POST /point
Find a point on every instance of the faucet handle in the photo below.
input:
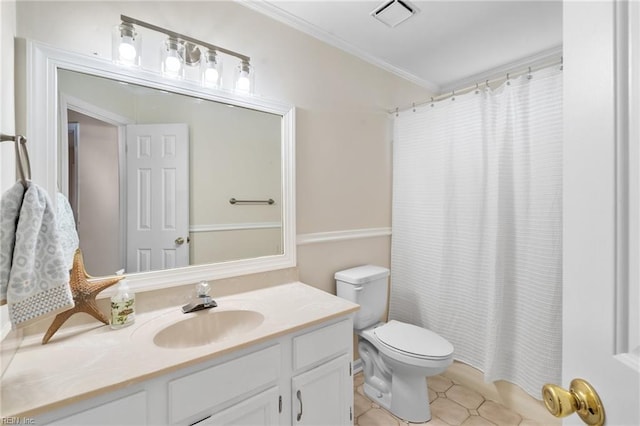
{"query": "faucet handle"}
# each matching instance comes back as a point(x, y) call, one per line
point(203, 288)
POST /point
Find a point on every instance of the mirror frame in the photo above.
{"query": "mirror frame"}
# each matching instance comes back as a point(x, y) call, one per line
point(42, 63)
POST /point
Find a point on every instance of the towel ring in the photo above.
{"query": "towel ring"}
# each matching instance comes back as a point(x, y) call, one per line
point(22, 157)
point(22, 160)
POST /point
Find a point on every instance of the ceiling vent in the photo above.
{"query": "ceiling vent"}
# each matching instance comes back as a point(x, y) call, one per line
point(393, 12)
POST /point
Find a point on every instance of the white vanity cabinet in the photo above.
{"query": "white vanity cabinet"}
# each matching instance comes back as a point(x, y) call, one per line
point(302, 378)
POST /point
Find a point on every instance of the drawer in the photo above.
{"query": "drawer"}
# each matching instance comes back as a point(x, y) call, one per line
point(322, 344)
point(191, 394)
point(128, 410)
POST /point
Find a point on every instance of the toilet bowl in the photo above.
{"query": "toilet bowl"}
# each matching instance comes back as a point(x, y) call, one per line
point(397, 357)
point(411, 354)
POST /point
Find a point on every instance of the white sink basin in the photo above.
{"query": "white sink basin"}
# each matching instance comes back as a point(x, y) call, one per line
point(207, 327)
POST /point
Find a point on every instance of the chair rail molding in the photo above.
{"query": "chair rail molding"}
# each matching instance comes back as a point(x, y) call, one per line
point(349, 234)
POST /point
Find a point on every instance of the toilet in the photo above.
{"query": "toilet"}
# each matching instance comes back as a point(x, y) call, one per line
point(397, 357)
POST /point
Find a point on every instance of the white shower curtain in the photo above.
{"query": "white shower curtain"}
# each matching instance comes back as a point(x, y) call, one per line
point(477, 227)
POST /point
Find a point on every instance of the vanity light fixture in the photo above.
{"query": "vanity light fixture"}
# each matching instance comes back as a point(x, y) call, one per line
point(244, 77)
point(172, 58)
point(126, 45)
point(211, 69)
point(180, 51)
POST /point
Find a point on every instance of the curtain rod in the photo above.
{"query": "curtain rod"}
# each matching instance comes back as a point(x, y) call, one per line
point(484, 84)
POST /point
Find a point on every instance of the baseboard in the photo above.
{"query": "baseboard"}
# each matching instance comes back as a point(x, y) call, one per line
point(503, 392)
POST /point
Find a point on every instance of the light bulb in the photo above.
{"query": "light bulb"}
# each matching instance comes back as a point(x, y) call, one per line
point(243, 84)
point(127, 50)
point(211, 76)
point(172, 65)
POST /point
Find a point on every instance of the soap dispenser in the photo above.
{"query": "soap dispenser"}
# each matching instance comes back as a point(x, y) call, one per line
point(122, 305)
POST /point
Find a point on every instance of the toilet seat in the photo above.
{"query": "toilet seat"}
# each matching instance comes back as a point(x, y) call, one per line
point(413, 341)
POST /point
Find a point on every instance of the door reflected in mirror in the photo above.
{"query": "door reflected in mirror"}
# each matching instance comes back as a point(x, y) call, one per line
point(149, 175)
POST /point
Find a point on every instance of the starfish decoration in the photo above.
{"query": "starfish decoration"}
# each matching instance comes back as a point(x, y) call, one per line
point(84, 295)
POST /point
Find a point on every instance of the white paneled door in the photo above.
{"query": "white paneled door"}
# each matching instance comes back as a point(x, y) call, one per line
point(157, 196)
point(601, 298)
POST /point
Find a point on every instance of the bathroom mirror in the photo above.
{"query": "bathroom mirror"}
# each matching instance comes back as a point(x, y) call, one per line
point(171, 209)
point(227, 147)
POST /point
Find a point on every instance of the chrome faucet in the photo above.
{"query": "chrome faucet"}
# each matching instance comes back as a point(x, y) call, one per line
point(203, 301)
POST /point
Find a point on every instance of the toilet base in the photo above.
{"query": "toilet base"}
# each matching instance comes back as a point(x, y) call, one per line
point(394, 386)
point(410, 397)
point(382, 399)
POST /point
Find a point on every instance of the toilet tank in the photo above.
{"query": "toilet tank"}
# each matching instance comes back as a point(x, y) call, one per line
point(367, 286)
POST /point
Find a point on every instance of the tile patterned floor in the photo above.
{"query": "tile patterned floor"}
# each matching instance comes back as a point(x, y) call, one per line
point(451, 405)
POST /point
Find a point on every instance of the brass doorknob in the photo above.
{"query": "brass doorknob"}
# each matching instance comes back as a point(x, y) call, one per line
point(581, 398)
point(179, 241)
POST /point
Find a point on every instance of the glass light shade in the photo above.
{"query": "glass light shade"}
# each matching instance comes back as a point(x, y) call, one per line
point(211, 69)
point(172, 62)
point(244, 78)
point(126, 45)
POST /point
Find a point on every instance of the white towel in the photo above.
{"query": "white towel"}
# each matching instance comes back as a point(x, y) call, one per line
point(9, 211)
point(39, 277)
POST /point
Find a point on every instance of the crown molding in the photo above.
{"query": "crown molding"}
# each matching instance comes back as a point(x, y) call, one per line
point(287, 18)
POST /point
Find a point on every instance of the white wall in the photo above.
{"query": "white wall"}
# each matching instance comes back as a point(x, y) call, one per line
point(7, 107)
point(343, 153)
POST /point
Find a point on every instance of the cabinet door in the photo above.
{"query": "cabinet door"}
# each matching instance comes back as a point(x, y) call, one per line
point(324, 395)
point(262, 409)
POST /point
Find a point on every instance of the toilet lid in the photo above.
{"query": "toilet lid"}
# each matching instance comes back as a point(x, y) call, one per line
point(414, 340)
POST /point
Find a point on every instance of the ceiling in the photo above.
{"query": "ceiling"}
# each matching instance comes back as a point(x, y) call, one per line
point(444, 46)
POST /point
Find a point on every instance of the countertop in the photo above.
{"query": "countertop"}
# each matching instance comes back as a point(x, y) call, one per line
point(87, 361)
